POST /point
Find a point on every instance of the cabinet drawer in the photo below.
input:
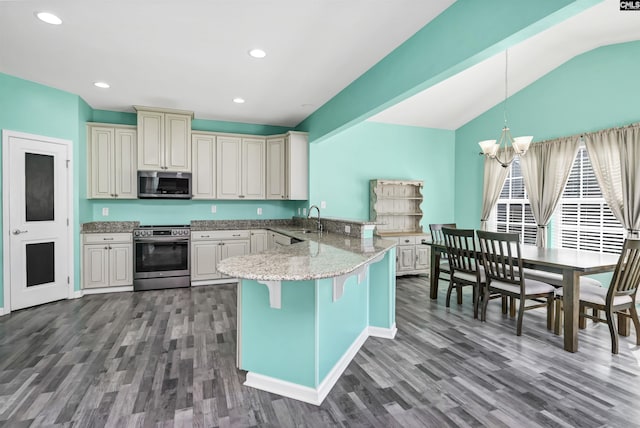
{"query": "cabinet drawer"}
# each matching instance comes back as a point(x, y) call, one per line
point(219, 235)
point(99, 238)
point(407, 240)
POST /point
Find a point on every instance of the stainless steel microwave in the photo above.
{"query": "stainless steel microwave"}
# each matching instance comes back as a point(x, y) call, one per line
point(164, 185)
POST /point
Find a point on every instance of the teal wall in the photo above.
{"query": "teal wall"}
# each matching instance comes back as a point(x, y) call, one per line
point(341, 167)
point(466, 33)
point(595, 90)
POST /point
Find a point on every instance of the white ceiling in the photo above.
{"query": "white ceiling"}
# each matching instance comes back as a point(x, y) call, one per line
point(192, 54)
point(459, 99)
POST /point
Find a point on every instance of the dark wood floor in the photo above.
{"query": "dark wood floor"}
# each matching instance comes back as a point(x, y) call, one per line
point(167, 358)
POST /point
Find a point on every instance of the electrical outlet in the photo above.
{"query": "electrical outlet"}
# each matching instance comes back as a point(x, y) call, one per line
point(213, 209)
point(304, 211)
point(323, 204)
point(347, 229)
point(259, 211)
point(299, 210)
point(105, 212)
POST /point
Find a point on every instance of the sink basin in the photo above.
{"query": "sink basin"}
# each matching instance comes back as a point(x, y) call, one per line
point(304, 231)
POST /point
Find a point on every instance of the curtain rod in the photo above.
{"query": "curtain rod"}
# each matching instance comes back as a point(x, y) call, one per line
point(583, 134)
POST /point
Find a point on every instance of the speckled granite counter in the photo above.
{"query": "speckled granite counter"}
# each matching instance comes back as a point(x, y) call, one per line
point(323, 255)
point(109, 226)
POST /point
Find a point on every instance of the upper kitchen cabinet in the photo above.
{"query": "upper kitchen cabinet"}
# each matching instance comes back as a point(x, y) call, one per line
point(203, 151)
point(112, 161)
point(288, 166)
point(240, 167)
point(164, 139)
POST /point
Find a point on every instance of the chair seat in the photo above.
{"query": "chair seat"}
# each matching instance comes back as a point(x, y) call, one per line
point(531, 286)
point(555, 279)
point(596, 295)
point(471, 277)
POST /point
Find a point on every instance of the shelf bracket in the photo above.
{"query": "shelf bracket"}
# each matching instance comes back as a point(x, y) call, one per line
point(339, 281)
point(275, 293)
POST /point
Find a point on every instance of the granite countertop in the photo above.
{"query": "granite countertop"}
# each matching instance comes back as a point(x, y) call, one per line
point(109, 226)
point(318, 256)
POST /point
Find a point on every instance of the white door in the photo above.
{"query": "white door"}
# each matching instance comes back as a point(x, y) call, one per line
point(36, 204)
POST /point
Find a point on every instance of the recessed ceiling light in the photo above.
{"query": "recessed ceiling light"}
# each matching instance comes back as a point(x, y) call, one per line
point(257, 53)
point(238, 100)
point(49, 18)
point(103, 85)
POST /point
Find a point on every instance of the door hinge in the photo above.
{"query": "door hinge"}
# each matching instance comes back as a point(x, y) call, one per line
point(68, 160)
point(68, 280)
point(67, 222)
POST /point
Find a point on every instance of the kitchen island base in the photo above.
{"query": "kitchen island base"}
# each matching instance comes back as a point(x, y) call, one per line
point(296, 338)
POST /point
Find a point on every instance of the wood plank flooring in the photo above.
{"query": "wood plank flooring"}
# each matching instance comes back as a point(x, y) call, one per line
point(167, 358)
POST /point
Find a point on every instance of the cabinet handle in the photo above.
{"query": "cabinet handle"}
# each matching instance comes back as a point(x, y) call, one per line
point(106, 248)
point(110, 247)
point(116, 195)
point(406, 240)
point(241, 196)
point(236, 234)
point(107, 239)
point(204, 236)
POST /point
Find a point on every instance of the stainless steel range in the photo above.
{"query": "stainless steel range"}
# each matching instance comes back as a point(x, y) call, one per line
point(161, 257)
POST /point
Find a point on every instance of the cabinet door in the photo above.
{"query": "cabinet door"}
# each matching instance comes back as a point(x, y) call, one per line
point(150, 141)
point(204, 260)
point(276, 168)
point(95, 261)
point(253, 168)
point(233, 249)
point(271, 240)
point(297, 173)
point(120, 264)
point(406, 258)
point(228, 167)
point(258, 241)
point(125, 164)
point(101, 163)
point(423, 257)
point(177, 142)
point(203, 151)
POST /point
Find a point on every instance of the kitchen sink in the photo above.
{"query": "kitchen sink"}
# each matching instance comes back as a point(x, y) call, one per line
point(304, 231)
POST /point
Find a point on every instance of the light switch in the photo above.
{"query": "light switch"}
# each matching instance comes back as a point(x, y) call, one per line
point(105, 212)
point(213, 209)
point(259, 211)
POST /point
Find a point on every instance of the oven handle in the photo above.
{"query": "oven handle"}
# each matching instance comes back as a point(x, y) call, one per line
point(161, 239)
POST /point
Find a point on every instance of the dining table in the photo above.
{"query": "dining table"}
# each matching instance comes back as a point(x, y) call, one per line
point(570, 263)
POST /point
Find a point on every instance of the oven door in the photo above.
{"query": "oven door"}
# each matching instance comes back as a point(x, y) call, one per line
point(161, 257)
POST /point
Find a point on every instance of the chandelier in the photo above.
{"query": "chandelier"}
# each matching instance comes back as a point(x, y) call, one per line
point(493, 149)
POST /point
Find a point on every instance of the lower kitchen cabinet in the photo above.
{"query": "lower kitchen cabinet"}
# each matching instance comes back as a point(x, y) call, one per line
point(107, 260)
point(209, 247)
point(412, 257)
point(259, 241)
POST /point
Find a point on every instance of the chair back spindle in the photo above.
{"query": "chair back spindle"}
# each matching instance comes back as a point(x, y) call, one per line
point(501, 256)
point(461, 248)
point(436, 230)
point(626, 277)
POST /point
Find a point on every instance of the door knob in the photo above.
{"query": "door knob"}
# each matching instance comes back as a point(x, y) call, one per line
point(18, 231)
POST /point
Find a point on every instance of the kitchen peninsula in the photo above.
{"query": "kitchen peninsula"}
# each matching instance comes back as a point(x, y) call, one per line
point(304, 310)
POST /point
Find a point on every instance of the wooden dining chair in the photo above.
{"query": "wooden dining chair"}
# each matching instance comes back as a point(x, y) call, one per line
point(618, 299)
point(443, 266)
point(502, 263)
point(465, 267)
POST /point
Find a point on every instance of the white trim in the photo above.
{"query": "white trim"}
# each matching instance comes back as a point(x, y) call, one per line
point(307, 394)
point(2, 312)
point(385, 333)
point(103, 290)
point(6, 187)
point(76, 294)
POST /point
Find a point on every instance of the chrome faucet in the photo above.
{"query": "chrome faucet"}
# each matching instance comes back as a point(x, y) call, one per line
point(319, 227)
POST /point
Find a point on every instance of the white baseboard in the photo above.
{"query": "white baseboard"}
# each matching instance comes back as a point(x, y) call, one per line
point(385, 333)
point(76, 294)
point(2, 312)
point(317, 395)
point(106, 290)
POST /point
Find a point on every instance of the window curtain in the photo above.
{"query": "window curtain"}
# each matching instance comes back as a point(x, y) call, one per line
point(494, 177)
point(615, 156)
point(545, 169)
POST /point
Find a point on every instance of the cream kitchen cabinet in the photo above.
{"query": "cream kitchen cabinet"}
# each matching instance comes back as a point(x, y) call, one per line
point(112, 162)
point(203, 151)
point(240, 167)
point(164, 139)
point(288, 166)
point(107, 260)
point(208, 248)
point(411, 256)
point(259, 241)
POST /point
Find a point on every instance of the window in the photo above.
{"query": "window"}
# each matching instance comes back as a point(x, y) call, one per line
point(583, 219)
point(512, 212)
